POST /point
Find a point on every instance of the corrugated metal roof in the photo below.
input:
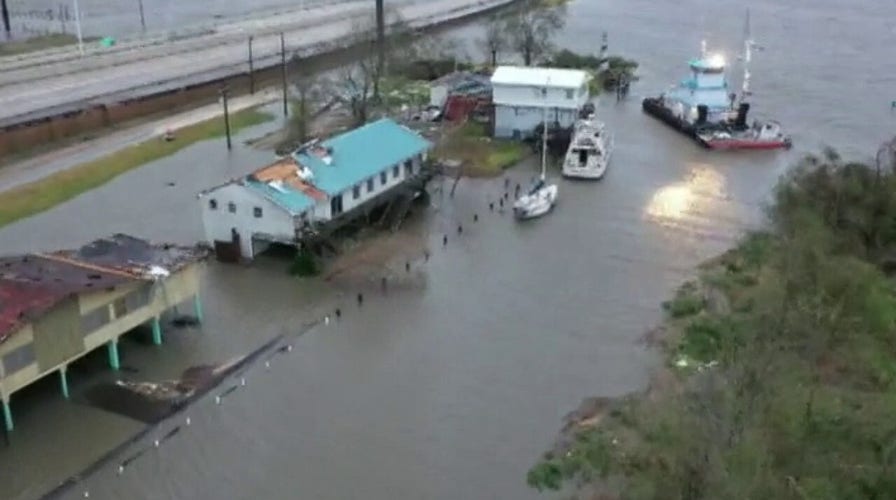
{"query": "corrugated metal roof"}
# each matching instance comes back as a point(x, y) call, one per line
point(539, 77)
point(287, 197)
point(31, 285)
point(360, 154)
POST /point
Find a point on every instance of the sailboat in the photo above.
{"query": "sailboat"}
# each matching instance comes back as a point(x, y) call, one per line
point(542, 196)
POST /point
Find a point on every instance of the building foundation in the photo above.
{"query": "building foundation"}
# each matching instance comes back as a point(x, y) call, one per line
point(113, 354)
point(156, 331)
point(63, 380)
point(7, 416)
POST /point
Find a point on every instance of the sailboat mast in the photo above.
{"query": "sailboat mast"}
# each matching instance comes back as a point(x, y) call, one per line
point(544, 131)
point(748, 56)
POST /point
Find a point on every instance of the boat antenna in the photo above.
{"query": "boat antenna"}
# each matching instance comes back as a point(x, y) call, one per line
point(703, 48)
point(748, 56)
point(544, 126)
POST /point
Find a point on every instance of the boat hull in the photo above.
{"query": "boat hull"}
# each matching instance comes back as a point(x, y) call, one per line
point(730, 144)
point(653, 107)
point(596, 173)
point(533, 206)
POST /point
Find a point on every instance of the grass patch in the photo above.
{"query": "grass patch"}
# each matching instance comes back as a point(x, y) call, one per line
point(687, 301)
point(482, 156)
point(29, 199)
point(40, 43)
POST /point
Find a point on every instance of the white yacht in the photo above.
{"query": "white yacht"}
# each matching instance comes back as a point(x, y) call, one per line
point(589, 150)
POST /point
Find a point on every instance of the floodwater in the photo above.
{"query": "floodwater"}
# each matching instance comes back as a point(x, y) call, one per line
point(451, 386)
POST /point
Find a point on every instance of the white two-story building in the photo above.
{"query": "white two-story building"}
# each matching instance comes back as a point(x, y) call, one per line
point(319, 184)
point(522, 96)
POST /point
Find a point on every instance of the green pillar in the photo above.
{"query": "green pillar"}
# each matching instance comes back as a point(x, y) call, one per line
point(156, 331)
point(7, 416)
point(197, 307)
point(113, 354)
point(63, 379)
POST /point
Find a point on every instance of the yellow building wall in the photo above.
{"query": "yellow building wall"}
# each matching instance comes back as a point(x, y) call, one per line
point(167, 293)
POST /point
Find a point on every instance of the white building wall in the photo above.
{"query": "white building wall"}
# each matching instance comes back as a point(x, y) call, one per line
point(348, 198)
point(519, 109)
point(219, 221)
point(438, 94)
point(521, 95)
point(519, 122)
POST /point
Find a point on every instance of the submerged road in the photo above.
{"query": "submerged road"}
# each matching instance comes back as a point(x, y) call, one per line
point(47, 84)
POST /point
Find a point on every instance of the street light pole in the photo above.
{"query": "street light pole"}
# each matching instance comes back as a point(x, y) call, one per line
point(78, 28)
point(283, 63)
point(5, 13)
point(251, 69)
point(142, 18)
point(224, 92)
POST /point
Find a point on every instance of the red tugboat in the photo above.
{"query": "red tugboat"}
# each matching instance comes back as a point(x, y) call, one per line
point(701, 107)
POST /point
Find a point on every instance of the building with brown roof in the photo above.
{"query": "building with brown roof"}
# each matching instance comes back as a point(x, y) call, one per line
point(56, 307)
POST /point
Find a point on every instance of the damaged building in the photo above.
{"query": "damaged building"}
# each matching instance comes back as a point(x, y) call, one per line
point(321, 186)
point(56, 307)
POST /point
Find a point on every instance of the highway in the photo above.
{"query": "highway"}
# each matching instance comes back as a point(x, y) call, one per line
point(47, 84)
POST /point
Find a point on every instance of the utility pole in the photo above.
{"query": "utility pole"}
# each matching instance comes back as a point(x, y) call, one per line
point(283, 63)
point(224, 91)
point(380, 46)
point(142, 18)
point(251, 68)
point(78, 28)
point(6, 27)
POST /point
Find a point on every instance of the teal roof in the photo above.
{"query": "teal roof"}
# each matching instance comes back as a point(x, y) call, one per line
point(362, 153)
point(706, 64)
point(289, 198)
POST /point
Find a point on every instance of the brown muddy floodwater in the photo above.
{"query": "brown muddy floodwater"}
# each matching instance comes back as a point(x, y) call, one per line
point(451, 385)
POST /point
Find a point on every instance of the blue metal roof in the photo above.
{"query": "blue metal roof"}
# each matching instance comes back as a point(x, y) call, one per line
point(362, 153)
point(291, 199)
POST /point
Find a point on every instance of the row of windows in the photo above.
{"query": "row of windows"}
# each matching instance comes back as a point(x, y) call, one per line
point(231, 207)
point(384, 178)
point(570, 93)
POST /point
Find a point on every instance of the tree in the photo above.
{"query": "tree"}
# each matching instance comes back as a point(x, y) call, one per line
point(360, 80)
point(788, 393)
point(532, 28)
point(495, 40)
point(307, 92)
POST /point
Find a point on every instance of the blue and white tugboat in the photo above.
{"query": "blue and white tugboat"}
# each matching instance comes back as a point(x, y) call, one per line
point(702, 107)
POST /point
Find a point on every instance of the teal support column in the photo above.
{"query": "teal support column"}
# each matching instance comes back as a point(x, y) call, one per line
point(7, 416)
point(113, 354)
point(63, 379)
point(156, 331)
point(197, 307)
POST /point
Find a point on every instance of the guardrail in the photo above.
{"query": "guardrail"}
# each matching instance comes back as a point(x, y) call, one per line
point(263, 59)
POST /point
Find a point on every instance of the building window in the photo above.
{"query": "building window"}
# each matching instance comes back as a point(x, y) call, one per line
point(94, 320)
point(336, 205)
point(370, 185)
point(384, 177)
point(356, 191)
point(569, 94)
point(18, 359)
point(213, 204)
point(257, 212)
point(395, 172)
point(231, 207)
point(409, 168)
